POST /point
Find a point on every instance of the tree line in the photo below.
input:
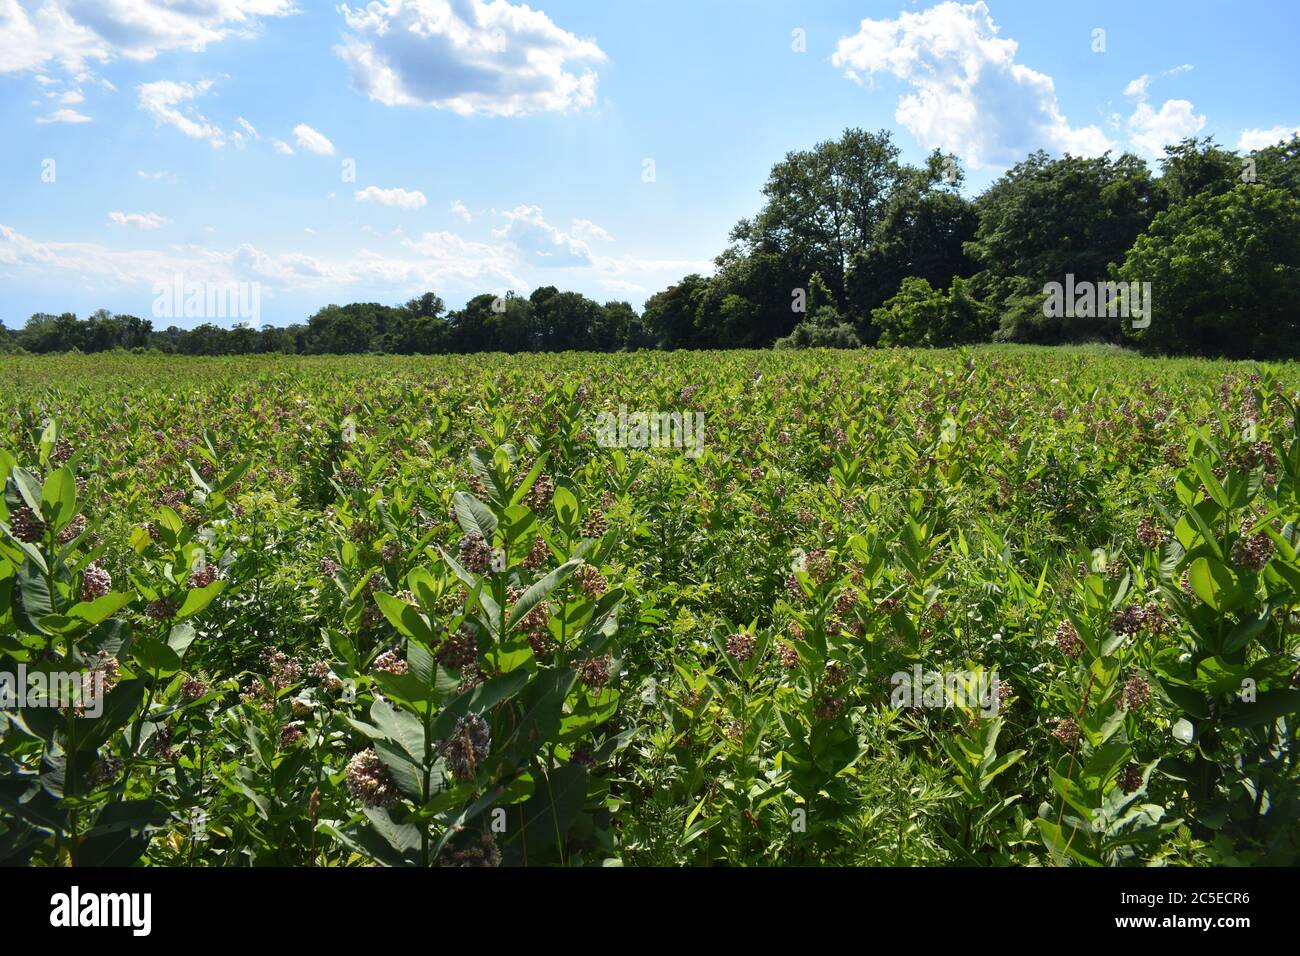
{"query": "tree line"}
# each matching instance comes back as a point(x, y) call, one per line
point(854, 247)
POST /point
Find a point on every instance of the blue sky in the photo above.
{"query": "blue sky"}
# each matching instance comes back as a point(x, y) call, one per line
point(369, 153)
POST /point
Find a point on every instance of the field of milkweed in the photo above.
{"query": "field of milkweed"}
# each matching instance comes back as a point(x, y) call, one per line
point(989, 607)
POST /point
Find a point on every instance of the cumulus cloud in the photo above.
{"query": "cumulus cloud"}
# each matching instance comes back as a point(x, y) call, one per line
point(539, 242)
point(1138, 87)
point(397, 198)
point(458, 209)
point(1253, 139)
point(588, 231)
point(969, 95)
point(437, 260)
point(281, 147)
point(622, 285)
point(1151, 130)
point(168, 102)
point(64, 116)
point(34, 33)
point(140, 220)
point(468, 56)
point(312, 141)
point(526, 253)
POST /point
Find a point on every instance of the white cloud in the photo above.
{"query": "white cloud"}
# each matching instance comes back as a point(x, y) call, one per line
point(1138, 87)
point(539, 242)
point(312, 141)
point(969, 95)
point(1152, 130)
point(1253, 139)
point(64, 116)
point(588, 231)
point(245, 132)
point(34, 33)
point(72, 98)
point(281, 147)
point(397, 198)
point(437, 260)
point(163, 101)
point(468, 56)
point(465, 260)
point(622, 285)
point(159, 174)
point(526, 252)
point(458, 209)
point(146, 220)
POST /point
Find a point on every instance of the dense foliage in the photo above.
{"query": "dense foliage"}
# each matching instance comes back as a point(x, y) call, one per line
point(413, 611)
point(853, 247)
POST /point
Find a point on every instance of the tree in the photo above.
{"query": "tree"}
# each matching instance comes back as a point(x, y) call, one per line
point(824, 328)
point(8, 340)
point(620, 328)
point(429, 305)
point(1195, 166)
point(1279, 166)
point(923, 234)
point(415, 333)
point(1225, 275)
point(272, 339)
point(920, 315)
point(347, 330)
point(206, 339)
point(670, 315)
point(1049, 218)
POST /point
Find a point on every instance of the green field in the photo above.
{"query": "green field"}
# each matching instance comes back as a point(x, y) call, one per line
point(417, 611)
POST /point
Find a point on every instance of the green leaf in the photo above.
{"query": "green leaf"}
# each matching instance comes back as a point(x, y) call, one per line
point(120, 705)
point(1206, 473)
point(28, 488)
point(538, 592)
point(473, 515)
point(540, 704)
point(405, 618)
point(155, 656)
point(180, 638)
point(1073, 844)
point(406, 689)
point(1265, 709)
point(1215, 584)
point(199, 598)
point(566, 506)
point(399, 726)
point(101, 609)
point(405, 772)
point(120, 834)
point(402, 837)
point(59, 498)
point(538, 827)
